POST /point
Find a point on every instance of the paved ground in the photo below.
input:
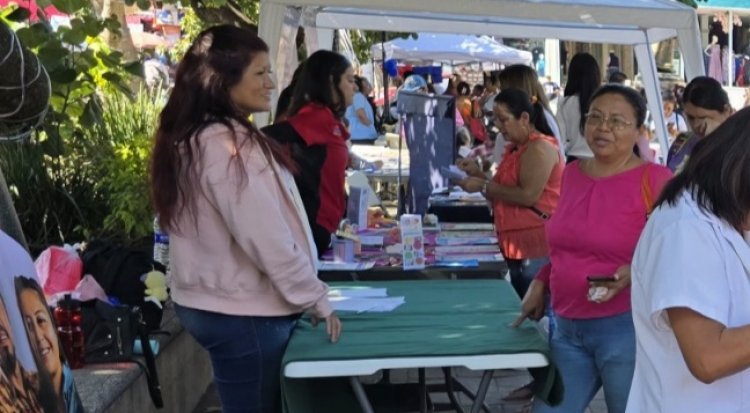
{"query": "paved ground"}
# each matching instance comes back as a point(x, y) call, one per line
point(503, 383)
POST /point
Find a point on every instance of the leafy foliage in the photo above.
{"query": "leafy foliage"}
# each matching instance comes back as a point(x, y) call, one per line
point(119, 149)
point(56, 190)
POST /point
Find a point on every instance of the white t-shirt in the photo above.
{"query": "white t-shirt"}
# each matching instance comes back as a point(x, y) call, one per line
point(675, 119)
point(686, 258)
point(569, 118)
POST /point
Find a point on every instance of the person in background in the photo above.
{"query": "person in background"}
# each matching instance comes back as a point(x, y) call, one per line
point(524, 78)
point(520, 225)
point(604, 205)
point(674, 122)
point(42, 332)
point(526, 187)
point(285, 97)
point(613, 65)
point(706, 106)
point(617, 77)
point(242, 255)
point(360, 114)
point(316, 135)
point(463, 101)
point(584, 78)
point(691, 283)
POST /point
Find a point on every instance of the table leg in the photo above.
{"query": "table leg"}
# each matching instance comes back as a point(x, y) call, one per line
point(359, 393)
point(484, 385)
point(422, 391)
point(449, 388)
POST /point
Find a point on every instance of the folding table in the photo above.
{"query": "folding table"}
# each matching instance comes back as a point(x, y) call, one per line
point(442, 324)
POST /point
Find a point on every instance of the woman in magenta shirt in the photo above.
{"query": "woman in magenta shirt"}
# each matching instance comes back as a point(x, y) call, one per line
point(604, 204)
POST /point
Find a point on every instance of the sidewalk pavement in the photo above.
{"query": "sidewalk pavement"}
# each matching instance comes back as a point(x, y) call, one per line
point(504, 382)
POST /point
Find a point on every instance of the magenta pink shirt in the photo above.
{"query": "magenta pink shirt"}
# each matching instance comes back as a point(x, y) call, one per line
point(593, 232)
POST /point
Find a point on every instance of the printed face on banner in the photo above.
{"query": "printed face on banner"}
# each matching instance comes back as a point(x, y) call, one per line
point(34, 376)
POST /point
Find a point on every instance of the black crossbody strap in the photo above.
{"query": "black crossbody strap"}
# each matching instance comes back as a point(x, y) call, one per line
point(543, 215)
point(152, 378)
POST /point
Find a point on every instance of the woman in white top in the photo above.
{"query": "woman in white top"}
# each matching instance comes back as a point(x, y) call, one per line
point(691, 284)
point(584, 77)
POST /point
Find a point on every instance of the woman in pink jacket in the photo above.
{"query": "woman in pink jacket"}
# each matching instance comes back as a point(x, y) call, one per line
point(242, 255)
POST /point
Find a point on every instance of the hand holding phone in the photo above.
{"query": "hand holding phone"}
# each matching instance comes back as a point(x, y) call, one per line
point(601, 278)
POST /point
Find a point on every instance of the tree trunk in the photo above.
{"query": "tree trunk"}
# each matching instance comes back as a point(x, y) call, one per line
point(123, 42)
point(8, 219)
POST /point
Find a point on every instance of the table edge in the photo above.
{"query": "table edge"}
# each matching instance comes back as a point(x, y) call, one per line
point(368, 366)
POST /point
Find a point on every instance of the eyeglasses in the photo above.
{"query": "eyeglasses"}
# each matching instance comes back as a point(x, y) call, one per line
point(614, 123)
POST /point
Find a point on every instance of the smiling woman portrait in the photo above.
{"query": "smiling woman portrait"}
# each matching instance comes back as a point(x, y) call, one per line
point(604, 204)
point(42, 332)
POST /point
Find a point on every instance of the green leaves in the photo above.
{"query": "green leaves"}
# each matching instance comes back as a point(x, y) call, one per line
point(70, 6)
point(34, 36)
point(18, 15)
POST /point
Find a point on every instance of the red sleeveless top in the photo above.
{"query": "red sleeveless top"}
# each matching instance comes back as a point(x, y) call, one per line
point(520, 229)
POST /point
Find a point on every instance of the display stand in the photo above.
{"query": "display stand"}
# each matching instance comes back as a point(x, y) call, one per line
point(429, 128)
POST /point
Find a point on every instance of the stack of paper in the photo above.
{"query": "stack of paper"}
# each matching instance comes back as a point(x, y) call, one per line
point(344, 266)
point(361, 300)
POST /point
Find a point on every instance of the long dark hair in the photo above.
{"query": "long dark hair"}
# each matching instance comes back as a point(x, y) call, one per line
point(215, 63)
point(717, 172)
point(519, 102)
point(318, 82)
point(524, 78)
point(707, 93)
point(584, 77)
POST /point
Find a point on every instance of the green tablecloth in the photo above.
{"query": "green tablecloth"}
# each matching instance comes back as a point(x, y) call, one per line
point(439, 318)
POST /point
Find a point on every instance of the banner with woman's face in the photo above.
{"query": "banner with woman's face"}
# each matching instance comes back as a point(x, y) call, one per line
point(34, 376)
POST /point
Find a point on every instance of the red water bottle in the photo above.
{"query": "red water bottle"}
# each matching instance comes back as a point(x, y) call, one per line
point(68, 318)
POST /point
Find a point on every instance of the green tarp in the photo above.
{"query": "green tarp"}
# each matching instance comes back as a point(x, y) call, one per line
point(439, 318)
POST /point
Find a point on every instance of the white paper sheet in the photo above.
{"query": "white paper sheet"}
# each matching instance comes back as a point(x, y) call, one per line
point(361, 305)
point(358, 292)
point(371, 240)
point(344, 266)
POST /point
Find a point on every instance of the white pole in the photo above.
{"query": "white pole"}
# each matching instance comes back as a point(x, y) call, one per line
point(730, 52)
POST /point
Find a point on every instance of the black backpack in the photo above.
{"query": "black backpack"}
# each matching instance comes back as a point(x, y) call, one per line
point(118, 269)
point(111, 330)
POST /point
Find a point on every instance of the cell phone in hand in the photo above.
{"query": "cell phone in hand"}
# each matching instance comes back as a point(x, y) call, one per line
point(601, 278)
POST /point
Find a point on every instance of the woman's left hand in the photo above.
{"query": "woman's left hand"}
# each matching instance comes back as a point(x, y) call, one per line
point(621, 281)
point(472, 184)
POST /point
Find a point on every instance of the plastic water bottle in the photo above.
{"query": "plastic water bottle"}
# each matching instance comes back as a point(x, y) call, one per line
point(161, 245)
point(68, 317)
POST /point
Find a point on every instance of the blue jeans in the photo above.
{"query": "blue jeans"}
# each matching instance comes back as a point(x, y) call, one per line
point(590, 354)
point(522, 272)
point(245, 354)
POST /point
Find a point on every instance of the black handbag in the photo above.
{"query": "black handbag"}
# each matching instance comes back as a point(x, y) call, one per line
point(109, 334)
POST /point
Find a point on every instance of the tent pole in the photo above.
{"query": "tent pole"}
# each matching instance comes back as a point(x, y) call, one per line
point(386, 98)
point(730, 50)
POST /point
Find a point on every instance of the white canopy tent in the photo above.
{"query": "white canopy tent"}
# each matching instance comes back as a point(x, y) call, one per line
point(455, 48)
point(634, 22)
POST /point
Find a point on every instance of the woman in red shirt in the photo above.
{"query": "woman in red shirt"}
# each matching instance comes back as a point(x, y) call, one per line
point(316, 136)
point(526, 187)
